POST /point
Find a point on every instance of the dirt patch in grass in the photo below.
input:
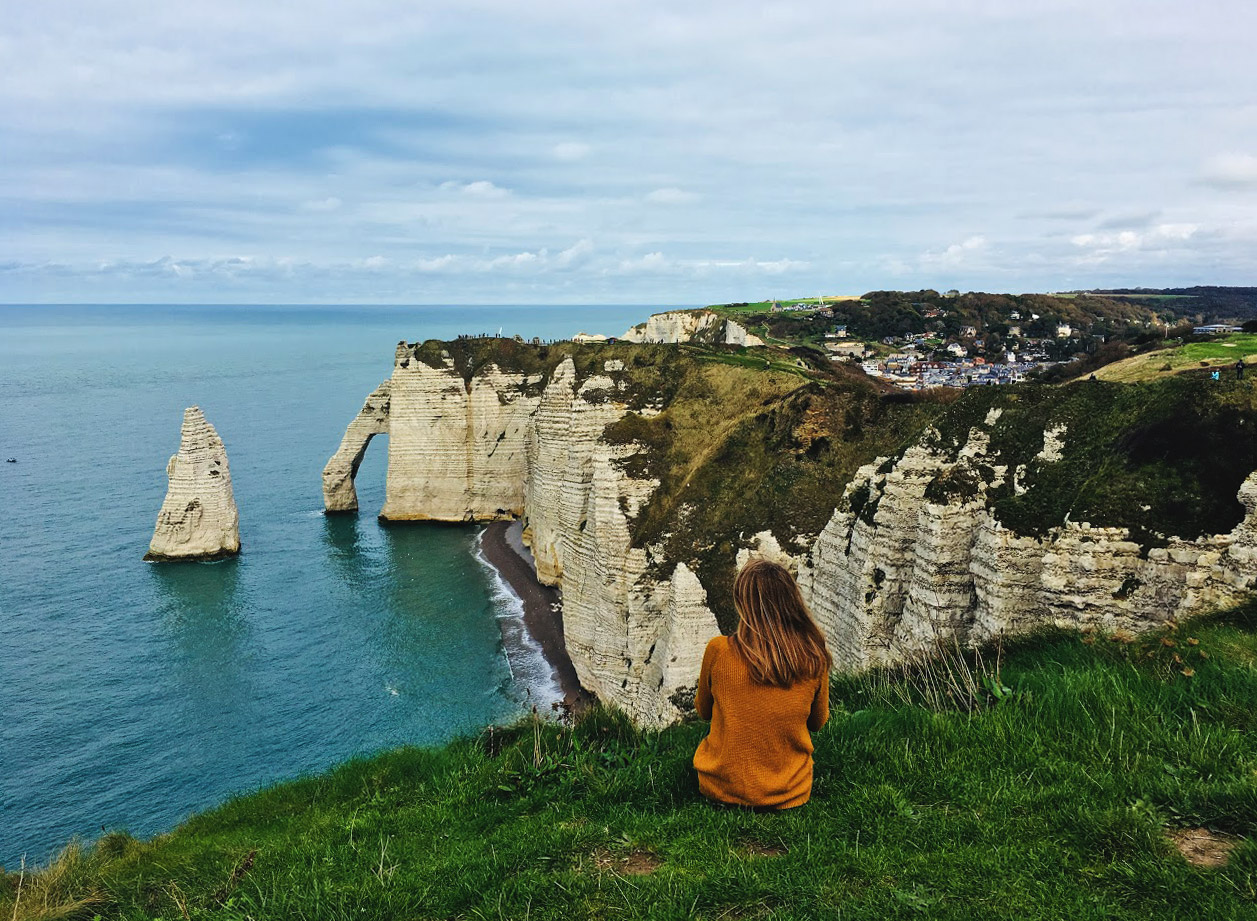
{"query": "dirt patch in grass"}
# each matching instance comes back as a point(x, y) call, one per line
point(628, 863)
point(758, 849)
point(1201, 847)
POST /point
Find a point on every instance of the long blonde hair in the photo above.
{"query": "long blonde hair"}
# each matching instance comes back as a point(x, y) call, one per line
point(776, 635)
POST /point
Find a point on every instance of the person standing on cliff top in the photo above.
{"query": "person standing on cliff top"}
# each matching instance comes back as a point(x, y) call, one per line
point(765, 690)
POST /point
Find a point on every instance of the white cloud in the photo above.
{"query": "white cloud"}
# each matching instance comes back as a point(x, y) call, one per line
point(1231, 171)
point(1125, 240)
point(781, 266)
point(438, 264)
point(955, 255)
point(323, 204)
point(516, 260)
point(671, 196)
point(481, 188)
point(648, 264)
point(574, 254)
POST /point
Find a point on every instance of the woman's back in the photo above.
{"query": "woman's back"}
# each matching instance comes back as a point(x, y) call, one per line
point(759, 750)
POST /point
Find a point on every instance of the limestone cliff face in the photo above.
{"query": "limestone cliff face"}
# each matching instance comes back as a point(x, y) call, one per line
point(735, 334)
point(456, 449)
point(691, 326)
point(339, 494)
point(198, 519)
point(900, 566)
point(530, 445)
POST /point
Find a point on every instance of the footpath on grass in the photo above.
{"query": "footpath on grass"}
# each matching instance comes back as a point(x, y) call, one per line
point(1080, 776)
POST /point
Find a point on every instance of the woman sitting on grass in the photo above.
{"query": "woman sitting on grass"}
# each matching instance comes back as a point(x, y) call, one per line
point(763, 689)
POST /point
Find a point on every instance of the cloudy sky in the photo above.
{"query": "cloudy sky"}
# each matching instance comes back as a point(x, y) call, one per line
point(633, 152)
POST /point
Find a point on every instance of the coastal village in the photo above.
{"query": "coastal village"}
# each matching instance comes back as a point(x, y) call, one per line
point(922, 340)
point(946, 349)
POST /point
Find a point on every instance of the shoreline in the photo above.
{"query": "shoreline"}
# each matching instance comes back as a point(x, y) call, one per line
point(543, 608)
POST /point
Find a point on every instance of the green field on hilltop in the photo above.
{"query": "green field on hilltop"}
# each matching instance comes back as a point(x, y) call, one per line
point(1220, 352)
point(1053, 785)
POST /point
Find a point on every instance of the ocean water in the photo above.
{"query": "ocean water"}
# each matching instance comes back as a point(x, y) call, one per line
point(133, 693)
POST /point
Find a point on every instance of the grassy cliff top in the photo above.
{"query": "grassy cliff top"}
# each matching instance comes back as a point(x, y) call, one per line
point(1191, 356)
point(1052, 786)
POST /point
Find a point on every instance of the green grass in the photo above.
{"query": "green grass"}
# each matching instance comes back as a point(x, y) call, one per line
point(1228, 347)
point(1191, 356)
point(1046, 796)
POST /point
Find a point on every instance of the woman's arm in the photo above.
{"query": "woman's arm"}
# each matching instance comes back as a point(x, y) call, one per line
point(702, 694)
point(820, 705)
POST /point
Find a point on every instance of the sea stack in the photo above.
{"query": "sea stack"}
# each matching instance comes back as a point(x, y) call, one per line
point(198, 520)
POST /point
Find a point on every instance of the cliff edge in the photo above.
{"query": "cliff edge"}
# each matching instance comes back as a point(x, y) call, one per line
point(644, 474)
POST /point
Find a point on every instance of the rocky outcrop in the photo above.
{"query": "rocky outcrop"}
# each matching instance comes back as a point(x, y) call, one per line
point(505, 443)
point(456, 448)
point(914, 555)
point(198, 519)
point(339, 494)
point(735, 334)
point(691, 326)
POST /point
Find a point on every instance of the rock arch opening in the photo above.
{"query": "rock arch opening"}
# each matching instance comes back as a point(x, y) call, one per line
point(339, 494)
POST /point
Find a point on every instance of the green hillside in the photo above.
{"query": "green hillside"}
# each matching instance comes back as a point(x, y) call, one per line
point(1191, 356)
point(1050, 786)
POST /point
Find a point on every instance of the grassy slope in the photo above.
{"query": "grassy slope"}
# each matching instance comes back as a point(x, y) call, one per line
point(1194, 355)
point(740, 448)
point(1050, 803)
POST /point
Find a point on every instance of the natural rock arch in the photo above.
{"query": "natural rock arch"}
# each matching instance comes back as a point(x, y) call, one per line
point(339, 494)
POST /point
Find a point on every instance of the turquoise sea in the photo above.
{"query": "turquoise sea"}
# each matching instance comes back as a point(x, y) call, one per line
point(133, 693)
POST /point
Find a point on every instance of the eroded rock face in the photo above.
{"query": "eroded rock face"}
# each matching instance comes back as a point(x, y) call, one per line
point(198, 519)
point(509, 444)
point(735, 334)
point(339, 494)
point(691, 326)
point(893, 572)
point(456, 449)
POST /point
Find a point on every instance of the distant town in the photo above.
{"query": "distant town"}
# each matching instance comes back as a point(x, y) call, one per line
point(920, 340)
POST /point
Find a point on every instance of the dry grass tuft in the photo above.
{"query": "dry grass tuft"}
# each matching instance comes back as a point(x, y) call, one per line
point(55, 891)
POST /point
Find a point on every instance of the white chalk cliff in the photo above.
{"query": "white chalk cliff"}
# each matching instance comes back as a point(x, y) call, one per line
point(893, 572)
point(899, 566)
point(691, 326)
point(339, 494)
point(505, 444)
point(198, 519)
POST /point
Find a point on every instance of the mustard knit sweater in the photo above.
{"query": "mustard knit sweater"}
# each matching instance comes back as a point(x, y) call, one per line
point(759, 750)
